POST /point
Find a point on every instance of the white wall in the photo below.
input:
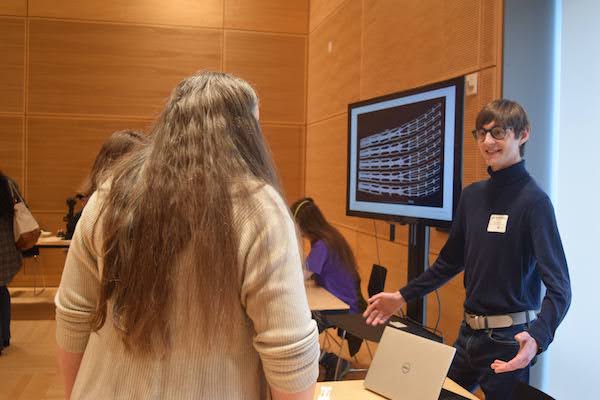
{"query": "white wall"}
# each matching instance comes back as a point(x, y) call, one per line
point(572, 363)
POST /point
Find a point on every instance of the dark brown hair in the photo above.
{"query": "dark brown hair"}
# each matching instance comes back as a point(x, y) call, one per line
point(506, 113)
point(314, 226)
point(173, 201)
point(113, 149)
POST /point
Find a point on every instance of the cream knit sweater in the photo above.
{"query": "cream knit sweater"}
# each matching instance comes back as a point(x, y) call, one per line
point(275, 342)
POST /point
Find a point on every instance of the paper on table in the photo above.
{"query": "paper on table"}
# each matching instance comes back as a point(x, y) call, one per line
point(397, 324)
point(325, 393)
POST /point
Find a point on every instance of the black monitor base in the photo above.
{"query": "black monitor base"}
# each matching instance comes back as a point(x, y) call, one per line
point(418, 261)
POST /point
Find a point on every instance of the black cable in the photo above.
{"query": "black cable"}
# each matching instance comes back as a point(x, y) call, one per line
point(439, 316)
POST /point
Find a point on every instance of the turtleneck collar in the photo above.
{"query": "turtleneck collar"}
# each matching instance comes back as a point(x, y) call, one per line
point(508, 175)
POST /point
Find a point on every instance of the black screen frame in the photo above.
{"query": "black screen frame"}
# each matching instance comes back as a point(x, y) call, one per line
point(458, 83)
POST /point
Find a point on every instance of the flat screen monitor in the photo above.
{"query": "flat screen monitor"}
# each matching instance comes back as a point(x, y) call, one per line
point(405, 155)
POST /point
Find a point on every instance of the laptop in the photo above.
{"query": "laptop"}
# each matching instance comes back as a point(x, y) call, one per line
point(408, 367)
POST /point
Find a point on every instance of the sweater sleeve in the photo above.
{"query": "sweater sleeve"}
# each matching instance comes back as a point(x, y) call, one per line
point(449, 262)
point(79, 286)
point(552, 268)
point(317, 256)
point(274, 297)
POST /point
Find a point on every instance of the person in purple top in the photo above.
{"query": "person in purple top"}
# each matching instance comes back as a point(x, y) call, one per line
point(330, 259)
point(331, 262)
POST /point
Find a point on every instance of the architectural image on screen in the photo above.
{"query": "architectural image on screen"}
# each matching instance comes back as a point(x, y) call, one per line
point(400, 154)
point(405, 154)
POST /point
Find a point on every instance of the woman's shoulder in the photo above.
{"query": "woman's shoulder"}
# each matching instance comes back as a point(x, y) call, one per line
point(319, 244)
point(256, 196)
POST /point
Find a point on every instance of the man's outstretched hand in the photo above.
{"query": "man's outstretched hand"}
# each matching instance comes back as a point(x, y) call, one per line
point(528, 349)
point(382, 306)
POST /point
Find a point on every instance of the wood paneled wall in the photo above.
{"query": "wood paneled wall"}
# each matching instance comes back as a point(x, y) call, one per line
point(73, 72)
point(360, 49)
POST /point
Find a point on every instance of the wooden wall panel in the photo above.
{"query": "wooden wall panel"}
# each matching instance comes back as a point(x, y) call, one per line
point(488, 91)
point(471, 156)
point(326, 156)
point(267, 15)
point(452, 297)
point(64, 150)
point(13, 7)
point(418, 43)
point(491, 32)
point(45, 271)
point(52, 221)
point(208, 13)
point(73, 72)
point(286, 144)
point(107, 69)
point(11, 148)
point(391, 255)
point(400, 47)
point(321, 9)
point(12, 48)
point(275, 65)
point(334, 63)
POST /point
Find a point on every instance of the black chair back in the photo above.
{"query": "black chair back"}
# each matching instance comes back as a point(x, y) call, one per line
point(377, 280)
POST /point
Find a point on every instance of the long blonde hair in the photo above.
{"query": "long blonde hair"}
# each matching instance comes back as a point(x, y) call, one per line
point(174, 195)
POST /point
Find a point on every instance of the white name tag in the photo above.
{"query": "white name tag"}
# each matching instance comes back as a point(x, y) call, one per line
point(497, 223)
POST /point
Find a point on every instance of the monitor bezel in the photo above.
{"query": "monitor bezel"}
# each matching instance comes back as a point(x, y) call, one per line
point(458, 83)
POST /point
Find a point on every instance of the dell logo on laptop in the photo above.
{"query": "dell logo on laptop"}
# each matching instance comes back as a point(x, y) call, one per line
point(406, 368)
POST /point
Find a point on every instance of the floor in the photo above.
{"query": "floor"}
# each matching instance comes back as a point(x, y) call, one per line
point(28, 369)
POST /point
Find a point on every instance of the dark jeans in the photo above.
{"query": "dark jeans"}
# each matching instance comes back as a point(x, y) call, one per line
point(4, 315)
point(476, 350)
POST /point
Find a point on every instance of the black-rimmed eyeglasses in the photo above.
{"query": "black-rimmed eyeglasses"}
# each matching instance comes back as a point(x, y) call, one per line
point(497, 132)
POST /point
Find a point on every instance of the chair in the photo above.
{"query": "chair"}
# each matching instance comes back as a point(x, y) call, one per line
point(377, 280)
point(525, 392)
point(353, 324)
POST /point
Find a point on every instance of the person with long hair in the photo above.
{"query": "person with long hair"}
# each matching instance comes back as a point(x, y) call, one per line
point(183, 278)
point(113, 150)
point(330, 259)
point(333, 267)
point(10, 257)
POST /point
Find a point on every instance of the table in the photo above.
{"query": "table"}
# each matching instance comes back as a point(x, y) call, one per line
point(319, 299)
point(52, 242)
point(355, 390)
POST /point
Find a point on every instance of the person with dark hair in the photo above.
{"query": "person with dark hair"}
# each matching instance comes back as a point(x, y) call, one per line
point(506, 240)
point(118, 145)
point(183, 278)
point(113, 150)
point(333, 267)
point(330, 260)
point(10, 257)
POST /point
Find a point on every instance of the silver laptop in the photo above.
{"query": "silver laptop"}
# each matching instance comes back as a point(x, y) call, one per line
point(408, 367)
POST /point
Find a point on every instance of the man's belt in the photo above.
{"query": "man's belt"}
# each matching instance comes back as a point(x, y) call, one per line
point(499, 321)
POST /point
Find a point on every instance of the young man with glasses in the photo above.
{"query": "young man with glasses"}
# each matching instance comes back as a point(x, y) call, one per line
point(506, 240)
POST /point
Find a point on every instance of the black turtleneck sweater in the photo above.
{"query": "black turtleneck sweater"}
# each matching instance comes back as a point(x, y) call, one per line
point(503, 271)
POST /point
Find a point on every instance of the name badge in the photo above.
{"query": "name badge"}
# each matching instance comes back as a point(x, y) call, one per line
point(497, 223)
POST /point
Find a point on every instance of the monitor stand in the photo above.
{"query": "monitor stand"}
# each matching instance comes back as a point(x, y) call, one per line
point(418, 261)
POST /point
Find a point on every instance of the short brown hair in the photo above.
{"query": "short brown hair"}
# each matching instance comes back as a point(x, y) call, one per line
point(506, 113)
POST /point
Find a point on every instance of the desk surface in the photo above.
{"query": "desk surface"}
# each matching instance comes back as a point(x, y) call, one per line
point(52, 241)
point(320, 299)
point(355, 390)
